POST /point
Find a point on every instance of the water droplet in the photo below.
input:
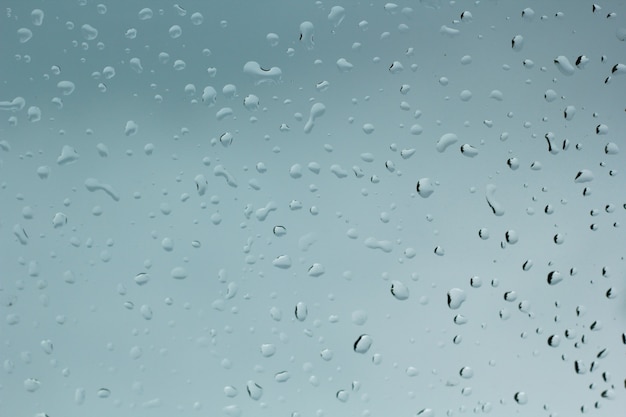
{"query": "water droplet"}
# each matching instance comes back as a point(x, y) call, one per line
point(251, 102)
point(282, 376)
point(517, 42)
point(316, 270)
point(145, 14)
point(368, 128)
point(611, 148)
point(146, 312)
point(196, 19)
point(396, 67)
point(343, 65)
point(456, 297)
point(279, 230)
point(476, 282)
point(226, 139)
point(520, 397)
point(343, 395)
point(276, 314)
point(564, 65)
point(446, 141)
point(268, 350)
point(336, 15)
point(510, 296)
point(466, 16)
point(317, 111)
point(583, 176)
point(363, 343)
point(135, 352)
point(399, 290)
point(47, 346)
point(554, 340)
point(89, 32)
point(527, 265)
point(326, 354)
point(466, 372)
point(260, 75)
point(103, 393)
point(554, 277)
point(469, 150)
point(178, 272)
point(282, 262)
point(495, 206)
point(307, 30)
point(425, 187)
point(92, 185)
point(37, 16)
point(511, 237)
point(301, 311)
point(24, 35)
point(255, 391)
point(384, 245)
point(68, 155)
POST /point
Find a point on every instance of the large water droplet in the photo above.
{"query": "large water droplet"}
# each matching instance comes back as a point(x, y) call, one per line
point(564, 65)
point(456, 297)
point(495, 206)
point(466, 372)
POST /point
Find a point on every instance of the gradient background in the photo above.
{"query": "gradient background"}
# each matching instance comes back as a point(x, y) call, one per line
point(205, 332)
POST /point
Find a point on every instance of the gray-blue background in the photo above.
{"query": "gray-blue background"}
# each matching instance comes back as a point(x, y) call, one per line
point(171, 346)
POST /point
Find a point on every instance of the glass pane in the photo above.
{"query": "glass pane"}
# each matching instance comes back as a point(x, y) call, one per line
point(299, 208)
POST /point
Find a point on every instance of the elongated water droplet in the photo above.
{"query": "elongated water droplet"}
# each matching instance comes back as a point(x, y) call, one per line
point(495, 206)
point(445, 141)
point(255, 391)
point(301, 311)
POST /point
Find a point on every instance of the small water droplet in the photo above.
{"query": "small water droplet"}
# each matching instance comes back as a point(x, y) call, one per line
point(399, 290)
point(554, 277)
point(301, 311)
point(255, 391)
point(282, 262)
point(359, 317)
point(268, 350)
point(520, 397)
point(103, 393)
point(466, 372)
